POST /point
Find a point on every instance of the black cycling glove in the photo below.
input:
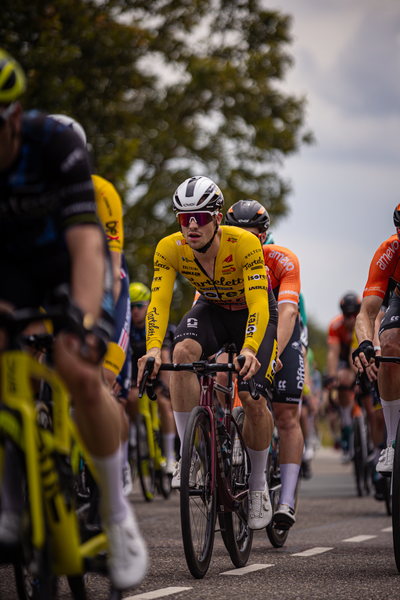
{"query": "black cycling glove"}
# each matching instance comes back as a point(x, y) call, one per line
point(367, 348)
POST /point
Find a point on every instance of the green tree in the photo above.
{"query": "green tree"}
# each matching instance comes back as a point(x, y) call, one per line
point(165, 89)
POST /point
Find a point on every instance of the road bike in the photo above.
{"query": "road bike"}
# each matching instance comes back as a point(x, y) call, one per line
point(395, 480)
point(361, 446)
point(221, 484)
point(151, 461)
point(54, 540)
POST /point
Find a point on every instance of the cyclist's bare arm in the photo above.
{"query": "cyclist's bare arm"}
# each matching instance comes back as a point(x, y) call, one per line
point(333, 363)
point(365, 327)
point(287, 312)
point(86, 249)
point(116, 273)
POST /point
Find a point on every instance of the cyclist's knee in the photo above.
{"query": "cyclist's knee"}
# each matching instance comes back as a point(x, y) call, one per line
point(187, 351)
point(254, 409)
point(287, 417)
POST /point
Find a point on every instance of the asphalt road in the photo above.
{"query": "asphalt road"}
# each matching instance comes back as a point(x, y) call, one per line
point(340, 547)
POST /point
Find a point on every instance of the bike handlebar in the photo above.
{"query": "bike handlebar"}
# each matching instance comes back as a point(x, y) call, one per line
point(387, 359)
point(200, 366)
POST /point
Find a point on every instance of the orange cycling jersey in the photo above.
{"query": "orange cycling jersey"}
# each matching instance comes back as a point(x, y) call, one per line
point(239, 282)
point(339, 334)
point(384, 265)
point(109, 210)
point(284, 271)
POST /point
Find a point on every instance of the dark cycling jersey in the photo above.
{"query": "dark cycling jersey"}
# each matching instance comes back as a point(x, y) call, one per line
point(47, 189)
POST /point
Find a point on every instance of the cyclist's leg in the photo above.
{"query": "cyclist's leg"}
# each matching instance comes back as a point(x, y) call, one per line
point(258, 424)
point(288, 388)
point(346, 378)
point(194, 336)
point(389, 380)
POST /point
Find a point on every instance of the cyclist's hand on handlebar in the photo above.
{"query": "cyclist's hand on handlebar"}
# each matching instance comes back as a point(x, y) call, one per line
point(250, 366)
point(156, 354)
point(364, 355)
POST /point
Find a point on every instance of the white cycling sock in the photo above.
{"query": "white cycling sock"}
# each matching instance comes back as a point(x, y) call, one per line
point(258, 465)
point(113, 507)
point(181, 419)
point(391, 412)
point(289, 476)
point(169, 445)
point(125, 447)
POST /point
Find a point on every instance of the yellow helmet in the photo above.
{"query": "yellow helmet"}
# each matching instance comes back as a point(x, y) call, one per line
point(12, 79)
point(139, 292)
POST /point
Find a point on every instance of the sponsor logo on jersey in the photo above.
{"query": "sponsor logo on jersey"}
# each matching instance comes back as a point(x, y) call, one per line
point(282, 260)
point(161, 256)
point(232, 240)
point(151, 321)
point(387, 256)
point(191, 322)
point(155, 289)
point(158, 264)
point(180, 242)
point(229, 270)
point(272, 364)
point(186, 259)
point(256, 277)
point(228, 259)
point(190, 273)
point(258, 287)
point(255, 263)
point(157, 278)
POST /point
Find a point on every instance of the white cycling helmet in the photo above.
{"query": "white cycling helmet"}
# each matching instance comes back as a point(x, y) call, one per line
point(72, 124)
point(198, 194)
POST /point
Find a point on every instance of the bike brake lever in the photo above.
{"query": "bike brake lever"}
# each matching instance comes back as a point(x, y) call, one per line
point(147, 371)
point(252, 386)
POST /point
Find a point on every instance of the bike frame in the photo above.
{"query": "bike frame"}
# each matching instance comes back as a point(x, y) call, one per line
point(226, 501)
point(18, 421)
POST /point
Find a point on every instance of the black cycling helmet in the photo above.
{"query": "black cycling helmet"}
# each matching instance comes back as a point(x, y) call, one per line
point(350, 304)
point(396, 216)
point(248, 213)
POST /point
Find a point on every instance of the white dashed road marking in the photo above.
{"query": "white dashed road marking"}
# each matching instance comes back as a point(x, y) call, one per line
point(159, 593)
point(245, 570)
point(312, 551)
point(387, 530)
point(360, 538)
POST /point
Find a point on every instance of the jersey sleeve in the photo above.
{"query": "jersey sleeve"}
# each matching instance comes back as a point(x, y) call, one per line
point(285, 267)
point(334, 331)
point(161, 294)
point(109, 210)
point(383, 265)
point(68, 161)
point(250, 257)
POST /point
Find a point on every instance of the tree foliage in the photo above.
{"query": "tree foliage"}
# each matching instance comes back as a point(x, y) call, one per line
point(165, 89)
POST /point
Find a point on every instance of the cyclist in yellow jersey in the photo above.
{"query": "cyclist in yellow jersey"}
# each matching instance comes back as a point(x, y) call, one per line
point(109, 212)
point(226, 265)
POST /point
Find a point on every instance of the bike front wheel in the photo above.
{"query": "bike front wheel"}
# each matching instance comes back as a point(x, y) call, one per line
point(238, 536)
point(198, 502)
point(396, 499)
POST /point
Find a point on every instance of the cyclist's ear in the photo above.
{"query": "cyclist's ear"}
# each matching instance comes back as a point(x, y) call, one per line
point(218, 218)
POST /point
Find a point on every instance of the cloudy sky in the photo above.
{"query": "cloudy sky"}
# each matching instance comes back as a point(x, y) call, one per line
point(346, 186)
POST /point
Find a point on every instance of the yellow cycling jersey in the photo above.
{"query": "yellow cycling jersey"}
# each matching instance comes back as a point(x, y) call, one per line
point(239, 281)
point(109, 210)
